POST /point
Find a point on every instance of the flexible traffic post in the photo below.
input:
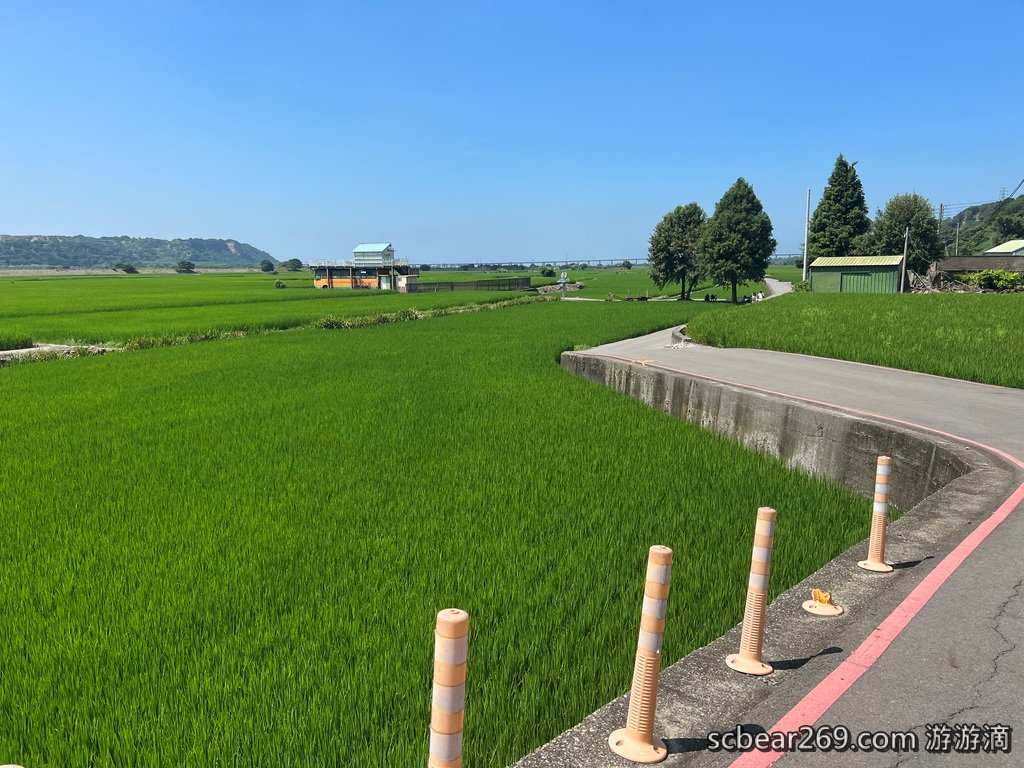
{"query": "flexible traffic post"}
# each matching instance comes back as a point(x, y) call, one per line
point(749, 660)
point(879, 519)
point(451, 646)
point(637, 741)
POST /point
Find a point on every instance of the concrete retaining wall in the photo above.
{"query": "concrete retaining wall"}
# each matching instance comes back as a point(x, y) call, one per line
point(944, 487)
point(816, 440)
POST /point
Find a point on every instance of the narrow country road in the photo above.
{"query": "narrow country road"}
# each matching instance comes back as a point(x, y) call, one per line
point(777, 287)
point(960, 659)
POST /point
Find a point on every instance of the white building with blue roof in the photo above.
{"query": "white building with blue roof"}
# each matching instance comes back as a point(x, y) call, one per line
point(372, 266)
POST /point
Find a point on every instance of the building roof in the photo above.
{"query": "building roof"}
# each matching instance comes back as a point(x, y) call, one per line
point(371, 247)
point(1009, 248)
point(857, 261)
point(977, 263)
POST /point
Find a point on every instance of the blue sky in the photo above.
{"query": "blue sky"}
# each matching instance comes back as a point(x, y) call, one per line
point(490, 131)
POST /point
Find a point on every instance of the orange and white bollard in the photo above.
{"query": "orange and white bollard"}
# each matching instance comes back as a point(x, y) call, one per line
point(879, 519)
point(748, 660)
point(451, 647)
point(637, 741)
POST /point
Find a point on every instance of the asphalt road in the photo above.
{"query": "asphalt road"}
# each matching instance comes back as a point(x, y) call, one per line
point(960, 659)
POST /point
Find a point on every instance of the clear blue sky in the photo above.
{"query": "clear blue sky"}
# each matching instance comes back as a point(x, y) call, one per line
point(500, 131)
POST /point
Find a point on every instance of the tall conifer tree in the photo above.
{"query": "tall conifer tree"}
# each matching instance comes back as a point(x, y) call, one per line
point(841, 215)
point(737, 243)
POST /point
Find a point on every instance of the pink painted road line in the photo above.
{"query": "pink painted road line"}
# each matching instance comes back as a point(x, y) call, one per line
point(814, 705)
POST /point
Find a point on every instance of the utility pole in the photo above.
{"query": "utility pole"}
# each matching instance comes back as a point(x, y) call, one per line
point(906, 244)
point(957, 251)
point(807, 225)
point(938, 228)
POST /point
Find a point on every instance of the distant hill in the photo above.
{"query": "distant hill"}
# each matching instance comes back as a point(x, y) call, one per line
point(82, 252)
point(984, 226)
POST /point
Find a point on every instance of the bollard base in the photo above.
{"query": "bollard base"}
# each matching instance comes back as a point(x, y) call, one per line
point(631, 748)
point(875, 565)
point(748, 666)
point(823, 609)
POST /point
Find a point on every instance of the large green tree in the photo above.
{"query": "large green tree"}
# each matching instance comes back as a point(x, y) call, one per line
point(672, 252)
point(901, 213)
point(737, 243)
point(841, 214)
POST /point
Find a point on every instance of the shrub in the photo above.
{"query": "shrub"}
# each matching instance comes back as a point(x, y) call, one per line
point(995, 279)
point(280, 284)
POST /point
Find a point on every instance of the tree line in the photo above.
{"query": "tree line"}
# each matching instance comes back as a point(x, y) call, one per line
point(840, 225)
point(736, 243)
point(980, 227)
point(81, 251)
point(732, 246)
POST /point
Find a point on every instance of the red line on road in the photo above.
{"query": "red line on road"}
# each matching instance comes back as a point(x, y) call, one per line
point(814, 705)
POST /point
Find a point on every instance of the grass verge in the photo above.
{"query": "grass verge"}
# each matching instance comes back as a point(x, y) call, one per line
point(963, 336)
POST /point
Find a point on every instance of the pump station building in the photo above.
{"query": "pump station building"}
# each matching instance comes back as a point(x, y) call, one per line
point(372, 266)
point(856, 274)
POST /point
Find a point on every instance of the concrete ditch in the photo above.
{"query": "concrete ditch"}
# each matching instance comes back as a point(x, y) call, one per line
point(944, 485)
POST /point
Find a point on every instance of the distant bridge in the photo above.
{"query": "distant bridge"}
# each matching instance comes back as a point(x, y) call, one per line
point(560, 264)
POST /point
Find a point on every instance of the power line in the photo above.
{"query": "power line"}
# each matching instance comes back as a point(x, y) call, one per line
point(1006, 199)
point(952, 209)
point(968, 205)
point(958, 207)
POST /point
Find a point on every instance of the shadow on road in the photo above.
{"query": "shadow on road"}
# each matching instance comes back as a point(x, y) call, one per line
point(910, 563)
point(797, 663)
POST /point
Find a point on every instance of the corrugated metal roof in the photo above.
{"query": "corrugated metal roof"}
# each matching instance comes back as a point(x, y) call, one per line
point(371, 247)
point(1009, 248)
point(857, 261)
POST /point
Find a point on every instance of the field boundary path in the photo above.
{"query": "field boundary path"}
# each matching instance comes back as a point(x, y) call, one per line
point(935, 644)
point(53, 350)
point(777, 287)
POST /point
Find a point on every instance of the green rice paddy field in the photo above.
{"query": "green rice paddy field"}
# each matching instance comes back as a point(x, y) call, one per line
point(786, 273)
point(148, 308)
point(964, 336)
point(598, 282)
point(232, 553)
point(144, 308)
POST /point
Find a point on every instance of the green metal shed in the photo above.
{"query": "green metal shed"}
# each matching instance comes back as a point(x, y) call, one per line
point(856, 274)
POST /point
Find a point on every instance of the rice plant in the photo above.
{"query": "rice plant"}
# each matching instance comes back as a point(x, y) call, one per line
point(964, 336)
point(232, 553)
point(14, 341)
